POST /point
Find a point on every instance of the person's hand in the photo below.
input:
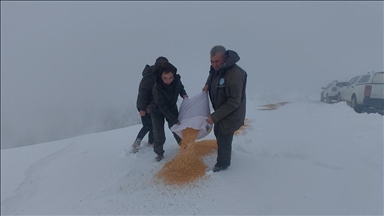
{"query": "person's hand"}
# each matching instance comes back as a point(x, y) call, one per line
point(185, 96)
point(209, 119)
point(142, 113)
point(205, 88)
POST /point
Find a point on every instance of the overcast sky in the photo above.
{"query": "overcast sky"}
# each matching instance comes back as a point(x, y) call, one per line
point(64, 63)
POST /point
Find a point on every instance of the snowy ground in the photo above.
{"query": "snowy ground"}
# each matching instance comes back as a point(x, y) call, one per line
point(304, 158)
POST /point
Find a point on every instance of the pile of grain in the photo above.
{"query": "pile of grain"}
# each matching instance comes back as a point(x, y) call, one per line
point(187, 166)
point(204, 147)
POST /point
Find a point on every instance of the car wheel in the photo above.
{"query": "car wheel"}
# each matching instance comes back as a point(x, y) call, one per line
point(358, 108)
point(338, 97)
point(327, 99)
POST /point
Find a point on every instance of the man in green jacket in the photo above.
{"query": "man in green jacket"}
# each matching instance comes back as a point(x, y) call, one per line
point(226, 85)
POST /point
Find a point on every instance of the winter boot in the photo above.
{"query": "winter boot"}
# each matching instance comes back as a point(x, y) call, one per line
point(159, 157)
point(218, 168)
point(136, 146)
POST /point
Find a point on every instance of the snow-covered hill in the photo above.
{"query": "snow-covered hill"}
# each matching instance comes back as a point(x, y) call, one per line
point(305, 157)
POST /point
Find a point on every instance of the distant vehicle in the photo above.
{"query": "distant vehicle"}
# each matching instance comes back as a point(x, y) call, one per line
point(347, 90)
point(367, 92)
point(332, 91)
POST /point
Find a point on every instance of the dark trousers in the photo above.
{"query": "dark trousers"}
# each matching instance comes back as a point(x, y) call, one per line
point(224, 148)
point(158, 121)
point(147, 127)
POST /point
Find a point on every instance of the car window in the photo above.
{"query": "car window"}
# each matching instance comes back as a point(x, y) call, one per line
point(378, 78)
point(364, 78)
point(351, 81)
point(341, 84)
point(355, 79)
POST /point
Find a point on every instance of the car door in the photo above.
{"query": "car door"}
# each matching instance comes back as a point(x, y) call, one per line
point(350, 88)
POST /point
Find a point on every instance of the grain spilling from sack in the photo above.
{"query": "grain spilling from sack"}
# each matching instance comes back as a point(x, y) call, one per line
point(189, 136)
point(187, 166)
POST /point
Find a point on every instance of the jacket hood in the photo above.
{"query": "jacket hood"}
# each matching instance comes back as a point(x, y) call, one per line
point(232, 59)
point(148, 70)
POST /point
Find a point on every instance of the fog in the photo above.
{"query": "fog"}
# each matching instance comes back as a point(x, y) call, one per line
point(70, 68)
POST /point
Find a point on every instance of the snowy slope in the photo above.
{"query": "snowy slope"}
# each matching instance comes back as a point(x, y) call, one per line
point(305, 157)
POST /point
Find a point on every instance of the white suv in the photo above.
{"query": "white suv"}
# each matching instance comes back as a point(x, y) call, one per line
point(368, 91)
point(332, 91)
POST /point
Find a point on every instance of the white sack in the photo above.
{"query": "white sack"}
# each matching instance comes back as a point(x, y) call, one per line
point(193, 113)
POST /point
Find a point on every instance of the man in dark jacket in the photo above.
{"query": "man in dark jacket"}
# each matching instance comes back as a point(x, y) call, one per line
point(226, 84)
point(168, 87)
point(144, 98)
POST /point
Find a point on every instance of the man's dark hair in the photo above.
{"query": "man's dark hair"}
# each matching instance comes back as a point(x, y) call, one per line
point(162, 58)
point(166, 68)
